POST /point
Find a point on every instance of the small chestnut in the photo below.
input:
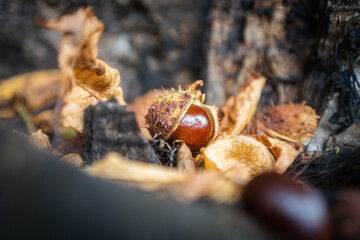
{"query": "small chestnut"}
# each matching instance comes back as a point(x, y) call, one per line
point(287, 208)
point(195, 128)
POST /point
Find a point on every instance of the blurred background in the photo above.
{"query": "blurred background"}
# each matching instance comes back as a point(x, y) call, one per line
point(303, 48)
point(169, 43)
point(151, 43)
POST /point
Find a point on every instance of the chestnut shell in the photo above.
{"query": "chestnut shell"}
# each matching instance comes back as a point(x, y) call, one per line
point(166, 112)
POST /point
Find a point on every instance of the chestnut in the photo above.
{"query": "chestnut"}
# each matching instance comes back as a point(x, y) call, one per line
point(181, 115)
point(345, 214)
point(195, 128)
point(287, 208)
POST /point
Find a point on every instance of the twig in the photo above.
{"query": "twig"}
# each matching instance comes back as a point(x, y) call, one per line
point(56, 116)
point(25, 116)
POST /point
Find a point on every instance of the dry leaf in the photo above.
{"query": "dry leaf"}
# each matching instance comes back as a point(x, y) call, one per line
point(291, 122)
point(239, 109)
point(90, 80)
point(115, 167)
point(284, 153)
point(242, 154)
point(73, 159)
point(140, 106)
point(213, 185)
point(166, 181)
point(184, 159)
point(35, 89)
point(194, 86)
point(40, 140)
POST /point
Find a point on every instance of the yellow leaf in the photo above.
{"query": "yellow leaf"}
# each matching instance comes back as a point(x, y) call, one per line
point(185, 187)
point(36, 88)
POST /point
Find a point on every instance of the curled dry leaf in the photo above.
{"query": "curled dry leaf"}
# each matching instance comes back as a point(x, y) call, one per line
point(284, 153)
point(291, 122)
point(194, 86)
point(242, 154)
point(140, 106)
point(185, 162)
point(40, 140)
point(35, 89)
point(90, 80)
point(239, 109)
point(73, 159)
point(166, 181)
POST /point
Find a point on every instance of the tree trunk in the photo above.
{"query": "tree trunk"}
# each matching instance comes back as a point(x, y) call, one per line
point(264, 36)
point(301, 47)
point(332, 86)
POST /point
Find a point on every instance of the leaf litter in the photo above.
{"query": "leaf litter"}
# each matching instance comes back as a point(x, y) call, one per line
point(245, 146)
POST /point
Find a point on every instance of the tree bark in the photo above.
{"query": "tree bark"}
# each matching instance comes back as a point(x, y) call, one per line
point(301, 47)
point(264, 36)
point(332, 86)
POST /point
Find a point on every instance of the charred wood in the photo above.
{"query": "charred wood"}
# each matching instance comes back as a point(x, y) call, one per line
point(110, 127)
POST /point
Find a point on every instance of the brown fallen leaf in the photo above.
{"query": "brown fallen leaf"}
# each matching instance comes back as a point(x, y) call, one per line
point(40, 140)
point(185, 162)
point(115, 167)
point(291, 122)
point(34, 90)
point(140, 106)
point(242, 154)
point(89, 80)
point(284, 153)
point(239, 109)
point(194, 86)
point(213, 185)
point(165, 181)
point(73, 159)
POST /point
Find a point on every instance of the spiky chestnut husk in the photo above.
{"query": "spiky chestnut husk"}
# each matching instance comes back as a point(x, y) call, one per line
point(165, 113)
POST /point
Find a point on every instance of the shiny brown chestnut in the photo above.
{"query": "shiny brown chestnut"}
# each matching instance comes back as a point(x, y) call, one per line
point(195, 128)
point(286, 208)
